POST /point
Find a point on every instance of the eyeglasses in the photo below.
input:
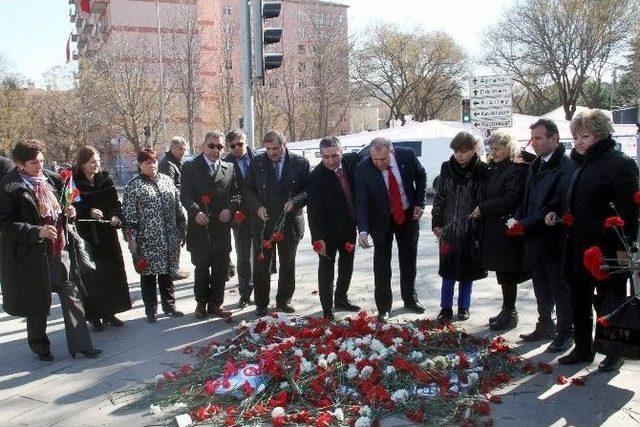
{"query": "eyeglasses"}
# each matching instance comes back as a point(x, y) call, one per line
point(213, 145)
point(237, 144)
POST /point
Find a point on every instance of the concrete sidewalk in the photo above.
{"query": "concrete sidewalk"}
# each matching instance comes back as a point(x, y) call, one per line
point(77, 392)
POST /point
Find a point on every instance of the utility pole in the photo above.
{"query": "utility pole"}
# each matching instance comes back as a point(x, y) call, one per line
point(160, 77)
point(247, 74)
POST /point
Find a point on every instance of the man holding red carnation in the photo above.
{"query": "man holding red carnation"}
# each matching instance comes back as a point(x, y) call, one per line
point(332, 221)
point(275, 194)
point(210, 195)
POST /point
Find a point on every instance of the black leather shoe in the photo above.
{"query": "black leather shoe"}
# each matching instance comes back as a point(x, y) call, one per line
point(560, 344)
point(445, 315)
point(497, 316)
point(46, 356)
point(152, 318)
point(346, 305)
point(285, 308)
point(92, 353)
point(201, 310)
point(540, 333)
point(416, 307)
point(261, 311)
point(329, 316)
point(507, 319)
point(611, 364)
point(113, 321)
point(464, 314)
point(243, 302)
point(174, 313)
point(383, 316)
point(97, 325)
point(576, 357)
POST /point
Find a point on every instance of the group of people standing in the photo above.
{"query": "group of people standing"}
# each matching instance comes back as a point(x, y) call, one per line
point(501, 216)
point(535, 218)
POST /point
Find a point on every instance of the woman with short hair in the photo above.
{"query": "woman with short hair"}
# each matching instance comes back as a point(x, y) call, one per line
point(155, 228)
point(100, 212)
point(500, 252)
point(37, 254)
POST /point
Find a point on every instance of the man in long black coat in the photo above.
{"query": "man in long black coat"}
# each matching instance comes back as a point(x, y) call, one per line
point(241, 156)
point(542, 244)
point(390, 199)
point(209, 194)
point(275, 189)
point(332, 221)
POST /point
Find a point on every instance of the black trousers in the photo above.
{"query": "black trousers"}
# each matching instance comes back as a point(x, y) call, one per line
point(407, 240)
point(262, 272)
point(209, 278)
point(583, 301)
point(148, 286)
point(326, 270)
point(242, 239)
point(551, 289)
point(75, 324)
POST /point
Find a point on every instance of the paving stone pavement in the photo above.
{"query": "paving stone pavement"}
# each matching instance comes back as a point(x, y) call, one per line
point(79, 392)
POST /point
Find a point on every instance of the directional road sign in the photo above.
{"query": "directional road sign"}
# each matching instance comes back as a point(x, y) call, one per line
point(491, 101)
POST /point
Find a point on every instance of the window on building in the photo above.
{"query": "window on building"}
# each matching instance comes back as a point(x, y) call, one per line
point(228, 10)
point(301, 49)
point(228, 64)
point(302, 33)
point(302, 84)
point(302, 66)
point(300, 15)
point(227, 46)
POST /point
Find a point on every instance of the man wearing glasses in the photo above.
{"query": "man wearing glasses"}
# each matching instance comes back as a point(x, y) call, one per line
point(210, 195)
point(241, 155)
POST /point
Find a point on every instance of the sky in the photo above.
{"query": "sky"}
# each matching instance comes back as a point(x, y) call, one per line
point(34, 33)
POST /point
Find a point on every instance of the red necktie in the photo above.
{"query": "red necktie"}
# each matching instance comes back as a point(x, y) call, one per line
point(396, 201)
point(347, 192)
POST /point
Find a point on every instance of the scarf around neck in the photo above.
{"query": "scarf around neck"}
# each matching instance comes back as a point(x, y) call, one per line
point(48, 205)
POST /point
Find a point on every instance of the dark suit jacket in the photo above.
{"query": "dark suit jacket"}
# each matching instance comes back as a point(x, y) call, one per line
point(171, 166)
point(6, 166)
point(222, 189)
point(231, 159)
point(327, 212)
point(261, 189)
point(373, 205)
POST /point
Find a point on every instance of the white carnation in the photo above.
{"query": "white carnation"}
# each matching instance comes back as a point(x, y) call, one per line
point(155, 409)
point(331, 357)
point(400, 396)
point(390, 370)
point(363, 422)
point(338, 414)
point(352, 372)
point(365, 411)
point(277, 412)
point(366, 372)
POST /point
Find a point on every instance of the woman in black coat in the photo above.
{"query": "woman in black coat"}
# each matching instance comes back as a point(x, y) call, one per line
point(602, 186)
point(500, 252)
point(38, 255)
point(100, 215)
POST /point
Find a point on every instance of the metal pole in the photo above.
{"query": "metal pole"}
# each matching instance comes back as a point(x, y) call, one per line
point(247, 86)
point(160, 78)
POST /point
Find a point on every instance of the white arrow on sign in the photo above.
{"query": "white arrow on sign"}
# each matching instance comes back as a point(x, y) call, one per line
point(497, 80)
point(492, 124)
point(491, 102)
point(491, 113)
point(490, 92)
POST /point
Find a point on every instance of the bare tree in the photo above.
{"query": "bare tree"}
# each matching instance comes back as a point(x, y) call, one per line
point(558, 43)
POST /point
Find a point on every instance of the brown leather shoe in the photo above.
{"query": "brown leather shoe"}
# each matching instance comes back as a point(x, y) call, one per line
point(217, 311)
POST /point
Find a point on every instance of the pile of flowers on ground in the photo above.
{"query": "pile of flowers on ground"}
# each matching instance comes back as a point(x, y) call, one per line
point(308, 371)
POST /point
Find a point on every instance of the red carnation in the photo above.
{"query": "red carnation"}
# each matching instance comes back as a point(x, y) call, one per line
point(65, 174)
point(266, 244)
point(613, 222)
point(562, 379)
point(317, 246)
point(205, 199)
point(445, 247)
point(277, 237)
point(415, 416)
point(261, 257)
point(577, 380)
point(141, 265)
point(593, 260)
point(349, 247)
point(516, 229)
point(567, 219)
point(239, 216)
point(636, 197)
point(603, 321)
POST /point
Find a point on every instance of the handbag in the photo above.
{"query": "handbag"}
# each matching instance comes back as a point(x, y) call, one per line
point(82, 251)
point(621, 337)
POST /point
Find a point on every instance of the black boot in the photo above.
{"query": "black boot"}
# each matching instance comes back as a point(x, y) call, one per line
point(508, 321)
point(497, 316)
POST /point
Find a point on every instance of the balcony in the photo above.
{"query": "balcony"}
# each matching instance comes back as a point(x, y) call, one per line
point(75, 56)
point(82, 46)
point(88, 29)
point(72, 15)
point(99, 6)
point(79, 21)
point(74, 37)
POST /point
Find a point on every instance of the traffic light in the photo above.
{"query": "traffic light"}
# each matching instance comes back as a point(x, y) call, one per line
point(465, 110)
point(268, 35)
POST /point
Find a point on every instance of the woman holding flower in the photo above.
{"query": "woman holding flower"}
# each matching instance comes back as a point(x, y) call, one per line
point(99, 207)
point(602, 186)
point(37, 253)
point(155, 227)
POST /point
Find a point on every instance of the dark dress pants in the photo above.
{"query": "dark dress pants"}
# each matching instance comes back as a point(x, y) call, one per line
point(407, 240)
point(583, 301)
point(209, 278)
point(262, 271)
point(242, 238)
point(75, 324)
point(551, 289)
point(326, 273)
point(148, 286)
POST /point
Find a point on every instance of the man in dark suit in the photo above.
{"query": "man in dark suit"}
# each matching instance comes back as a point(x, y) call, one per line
point(241, 155)
point(390, 200)
point(332, 221)
point(209, 194)
point(171, 163)
point(275, 189)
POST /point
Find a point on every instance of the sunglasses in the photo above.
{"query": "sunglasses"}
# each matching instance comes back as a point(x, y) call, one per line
point(213, 145)
point(238, 144)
